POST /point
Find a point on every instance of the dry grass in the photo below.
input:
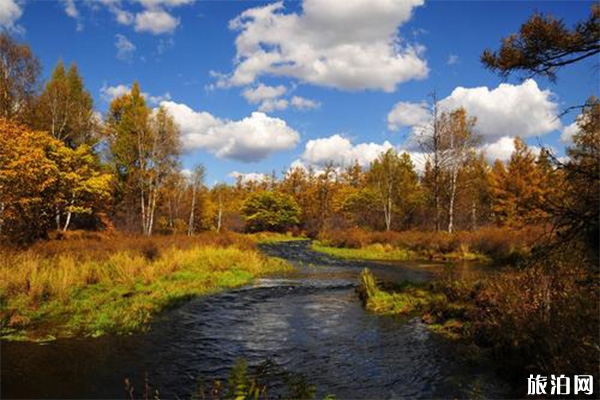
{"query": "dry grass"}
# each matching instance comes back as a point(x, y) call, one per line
point(95, 286)
point(500, 244)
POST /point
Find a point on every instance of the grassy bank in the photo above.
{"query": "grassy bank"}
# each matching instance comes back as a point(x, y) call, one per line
point(370, 252)
point(274, 237)
point(539, 318)
point(116, 285)
point(501, 245)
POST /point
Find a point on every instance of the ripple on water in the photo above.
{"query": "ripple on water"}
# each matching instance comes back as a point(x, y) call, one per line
point(311, 323)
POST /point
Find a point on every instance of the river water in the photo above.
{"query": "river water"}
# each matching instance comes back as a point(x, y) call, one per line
point(309, 322)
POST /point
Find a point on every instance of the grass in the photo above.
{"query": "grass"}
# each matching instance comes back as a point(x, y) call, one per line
point(274, 237)
point(539, 318)
point(387, 252)
point(70, 294)
point(405, 299)
point(370, 252)
point(501, 245)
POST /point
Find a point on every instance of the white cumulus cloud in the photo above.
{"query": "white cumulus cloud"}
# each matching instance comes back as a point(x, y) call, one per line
point(263, 92)
point(302, 103)
point(568, 131)
point(270, 98)
point(509, 110)
point(249, 176)
point(155, 21)
point(250, 139)
point(347, 45)
point(273, 105)
point(341, 151)
point(109, 93)
point(502, 149)
point(514, 110)
point(408, 114)
point(10, 12)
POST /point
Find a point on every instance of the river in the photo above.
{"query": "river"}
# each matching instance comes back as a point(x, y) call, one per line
point(309, 322)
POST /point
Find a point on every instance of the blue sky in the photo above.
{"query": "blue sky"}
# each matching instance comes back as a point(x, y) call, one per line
point(322, 80)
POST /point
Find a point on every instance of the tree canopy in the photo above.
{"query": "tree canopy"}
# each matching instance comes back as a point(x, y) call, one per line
point(270, 211)
point(544, 44)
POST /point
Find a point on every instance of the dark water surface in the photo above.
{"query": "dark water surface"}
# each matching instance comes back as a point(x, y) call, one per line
point(309, 322)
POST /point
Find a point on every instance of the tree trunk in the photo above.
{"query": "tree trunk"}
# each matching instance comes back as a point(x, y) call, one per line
point(57, 218)
point(67, 221)
point(452, 200)
point(191, 221)
point(219, 214)
point(474, 215)
point(387, 210)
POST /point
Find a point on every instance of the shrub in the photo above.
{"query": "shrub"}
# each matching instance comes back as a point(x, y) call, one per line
point(270, 211)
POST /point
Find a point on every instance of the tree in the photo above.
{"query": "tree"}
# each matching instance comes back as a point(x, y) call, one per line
point(19, 73)
point(196, 182)
point(227, 203)
point(434, 142)
point(27, 181)
point(39, 175)
point(173, 193)
point(361, 208)
point(517, 189)
point(395, 183)
point(82, 186)
point(145, 148)
point(65, 109)
point(576, 214)
point(476, 194)
point(461, 144)
point(544, 45)
point(270, 211)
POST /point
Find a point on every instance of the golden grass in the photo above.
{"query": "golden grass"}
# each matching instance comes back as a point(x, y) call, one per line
point(61, 289)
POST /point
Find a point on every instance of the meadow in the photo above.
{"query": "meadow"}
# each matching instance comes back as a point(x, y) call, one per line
point(88, 284)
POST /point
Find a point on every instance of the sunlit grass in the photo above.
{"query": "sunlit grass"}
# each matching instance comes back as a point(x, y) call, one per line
point(65, 295)
point(274, 237)
point(370, 252)
point(408, 298)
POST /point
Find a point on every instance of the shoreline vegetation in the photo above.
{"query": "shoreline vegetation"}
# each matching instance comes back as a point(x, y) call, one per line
point(536, 313)
point(94, 285)
point(491, 245)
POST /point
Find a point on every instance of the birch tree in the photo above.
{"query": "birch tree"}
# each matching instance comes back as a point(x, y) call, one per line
point(196, 182)
point(395, 183)
point(433, 141)
point(19, 73)
point(461, 144)
point(65, 109)
point(145, 147)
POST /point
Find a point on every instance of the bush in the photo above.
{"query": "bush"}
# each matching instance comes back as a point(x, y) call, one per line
point(270, 211)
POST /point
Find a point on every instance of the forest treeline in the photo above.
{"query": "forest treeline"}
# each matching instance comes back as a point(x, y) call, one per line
point(64, 166)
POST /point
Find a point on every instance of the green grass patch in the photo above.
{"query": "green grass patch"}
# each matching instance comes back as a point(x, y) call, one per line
point(57, 297)
point(406, 298)
point(387, 252)
point(274, 237)
point(370, 252)
point(443, 316)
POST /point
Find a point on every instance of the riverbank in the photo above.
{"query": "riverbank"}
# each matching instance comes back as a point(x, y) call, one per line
point(95, 286)
point(309, 321)
point(499, 245)
point(538, 318)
